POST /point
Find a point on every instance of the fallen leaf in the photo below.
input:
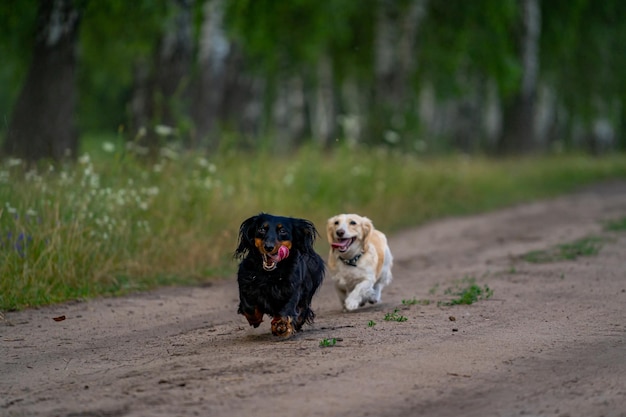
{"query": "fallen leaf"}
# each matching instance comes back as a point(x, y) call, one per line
point(60, 318)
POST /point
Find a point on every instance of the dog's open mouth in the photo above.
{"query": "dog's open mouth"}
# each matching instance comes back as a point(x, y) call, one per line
point(342, 245)
point(271, 261)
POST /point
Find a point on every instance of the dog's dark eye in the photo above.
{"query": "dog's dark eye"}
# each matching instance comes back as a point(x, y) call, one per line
point(261, 231)
point(336, 222)
point(352, 222)
point(282, 233)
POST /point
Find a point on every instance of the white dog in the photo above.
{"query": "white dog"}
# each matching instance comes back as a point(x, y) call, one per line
point(359, 261)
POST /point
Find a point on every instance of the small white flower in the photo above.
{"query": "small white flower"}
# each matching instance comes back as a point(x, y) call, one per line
point(288, 179)
point(163, 130)
point(84, 159)
point(421, 146)
point(169, 153)
point(152, 191)
point(13, 162)
point(108, 147)
point(392, 137)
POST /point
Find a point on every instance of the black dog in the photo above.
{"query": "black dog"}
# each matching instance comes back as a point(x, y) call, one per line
point(279, 271)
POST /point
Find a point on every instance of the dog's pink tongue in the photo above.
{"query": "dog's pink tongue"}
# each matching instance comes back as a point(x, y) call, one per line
point(340, 245)
point(283, 252)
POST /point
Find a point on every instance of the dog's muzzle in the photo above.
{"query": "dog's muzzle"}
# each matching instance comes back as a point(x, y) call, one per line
point(343, 244)
point(270, 262)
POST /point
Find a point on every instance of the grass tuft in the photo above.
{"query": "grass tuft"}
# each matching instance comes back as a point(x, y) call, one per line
point(467, 292)
point(394, 316)
point(414, 301)
point(617, 225)
point(328, 342)
point(588, 246)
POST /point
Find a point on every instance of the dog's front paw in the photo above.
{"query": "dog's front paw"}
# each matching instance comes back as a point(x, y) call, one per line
point(352, 305)
point(282, 327)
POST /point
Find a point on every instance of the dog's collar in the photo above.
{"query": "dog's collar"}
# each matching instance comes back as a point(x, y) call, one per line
point(353, 261)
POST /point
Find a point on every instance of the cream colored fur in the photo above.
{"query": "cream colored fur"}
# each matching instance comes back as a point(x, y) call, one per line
point(362, 283)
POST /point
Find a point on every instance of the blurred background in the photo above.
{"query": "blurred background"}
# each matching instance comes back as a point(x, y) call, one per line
point(422, 76)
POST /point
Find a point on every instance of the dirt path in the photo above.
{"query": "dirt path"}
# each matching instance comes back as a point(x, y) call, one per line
point(550, 342)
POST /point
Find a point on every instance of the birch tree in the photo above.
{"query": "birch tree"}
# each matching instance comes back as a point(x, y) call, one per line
point(43, 121)
point(519, 112)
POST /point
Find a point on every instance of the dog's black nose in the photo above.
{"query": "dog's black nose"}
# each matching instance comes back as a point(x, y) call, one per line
point(268, 247)
point(340, 232)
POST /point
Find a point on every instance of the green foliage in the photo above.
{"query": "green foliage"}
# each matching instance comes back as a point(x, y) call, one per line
point(371, 323)
point(467, 292)
point(300, 32)
point(578, 45)
point(415, 301)
point(111, 47)
point(460, 48)
point(477, 37)
point(617, 225)
point(588, 246)
point(328, 342)
point(395, 316)
point(111, 224)
point(17, 31)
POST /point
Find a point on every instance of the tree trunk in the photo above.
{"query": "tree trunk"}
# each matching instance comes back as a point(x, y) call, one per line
point(289, 119)
point(324, 123)
point(213, 51)
point(160, 91)
point(394, 49)
point(225, 96)
point(518, 135)
point(43, 121)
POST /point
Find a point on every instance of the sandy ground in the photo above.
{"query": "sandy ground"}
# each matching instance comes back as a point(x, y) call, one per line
point(550, 342)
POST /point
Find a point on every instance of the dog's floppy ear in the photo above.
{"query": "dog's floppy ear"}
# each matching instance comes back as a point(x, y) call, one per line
point(305, 234)
point(330, 229)
point(246, 237)
point(367, 226)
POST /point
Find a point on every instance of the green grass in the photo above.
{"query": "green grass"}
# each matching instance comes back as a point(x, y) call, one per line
point(394, 316)
point(414, 301)
point(110, 224)
point(617, 225)
point(467, 292)
point(328, 342)
point(587, 246)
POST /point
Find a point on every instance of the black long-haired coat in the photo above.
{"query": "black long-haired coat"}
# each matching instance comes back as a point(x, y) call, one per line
point(279, 271)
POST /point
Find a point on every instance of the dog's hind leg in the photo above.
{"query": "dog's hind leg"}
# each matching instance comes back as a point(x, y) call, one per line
point(375, 296)
point(305, 315)
point(342, 294)
point(384, 279)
